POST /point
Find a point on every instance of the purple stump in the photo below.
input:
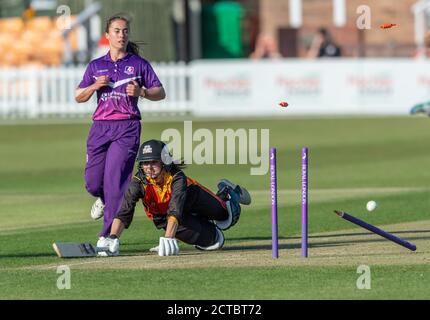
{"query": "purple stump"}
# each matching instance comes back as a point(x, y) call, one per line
point(305, 202)
point(274, 200)
point(376, 230)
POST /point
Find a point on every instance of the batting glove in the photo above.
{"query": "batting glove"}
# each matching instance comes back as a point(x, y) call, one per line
point(110, 247)
point(168, 247)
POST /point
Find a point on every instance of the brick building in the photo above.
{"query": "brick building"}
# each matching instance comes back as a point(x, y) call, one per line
point(275, 20)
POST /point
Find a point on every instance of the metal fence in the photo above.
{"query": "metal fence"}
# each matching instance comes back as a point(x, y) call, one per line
point(50, 92)
point(236, 88)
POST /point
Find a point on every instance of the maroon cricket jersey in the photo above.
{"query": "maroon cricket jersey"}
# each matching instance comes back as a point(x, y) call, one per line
point(113, 103)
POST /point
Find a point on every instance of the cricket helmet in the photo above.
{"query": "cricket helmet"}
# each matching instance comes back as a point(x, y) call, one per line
point(154, 150)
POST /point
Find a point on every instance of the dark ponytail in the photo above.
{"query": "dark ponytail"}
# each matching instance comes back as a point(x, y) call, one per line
point(132, 48)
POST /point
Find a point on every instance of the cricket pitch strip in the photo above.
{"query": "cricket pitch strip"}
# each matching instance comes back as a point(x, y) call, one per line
point(350, 247)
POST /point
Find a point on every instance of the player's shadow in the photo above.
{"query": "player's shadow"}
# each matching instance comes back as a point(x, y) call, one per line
point(363, 241)
point(269, 246)
point(316, 244)
point(27, 255)
point(394, 232)
point(144, 250)
point(332, 235)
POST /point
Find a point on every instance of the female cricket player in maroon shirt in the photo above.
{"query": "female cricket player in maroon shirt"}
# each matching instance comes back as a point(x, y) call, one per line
point(184, 208)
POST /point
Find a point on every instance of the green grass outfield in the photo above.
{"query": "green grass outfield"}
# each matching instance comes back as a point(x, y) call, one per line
point(352, 160)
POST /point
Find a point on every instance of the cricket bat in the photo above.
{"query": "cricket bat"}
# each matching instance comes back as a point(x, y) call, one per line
point(74, 250)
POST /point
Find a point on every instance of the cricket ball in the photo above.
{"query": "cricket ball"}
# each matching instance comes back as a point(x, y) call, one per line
point(371, 205)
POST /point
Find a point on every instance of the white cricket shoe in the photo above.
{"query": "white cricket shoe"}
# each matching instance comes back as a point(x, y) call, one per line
point(97, 210)
point(245, 197)
point(101, 243)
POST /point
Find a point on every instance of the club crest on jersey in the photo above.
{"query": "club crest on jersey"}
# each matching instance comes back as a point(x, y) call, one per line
point(104, 96)
point(147, 149)
point(129, 70)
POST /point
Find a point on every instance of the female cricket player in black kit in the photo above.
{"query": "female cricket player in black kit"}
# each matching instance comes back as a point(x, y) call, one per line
point(181, 206)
